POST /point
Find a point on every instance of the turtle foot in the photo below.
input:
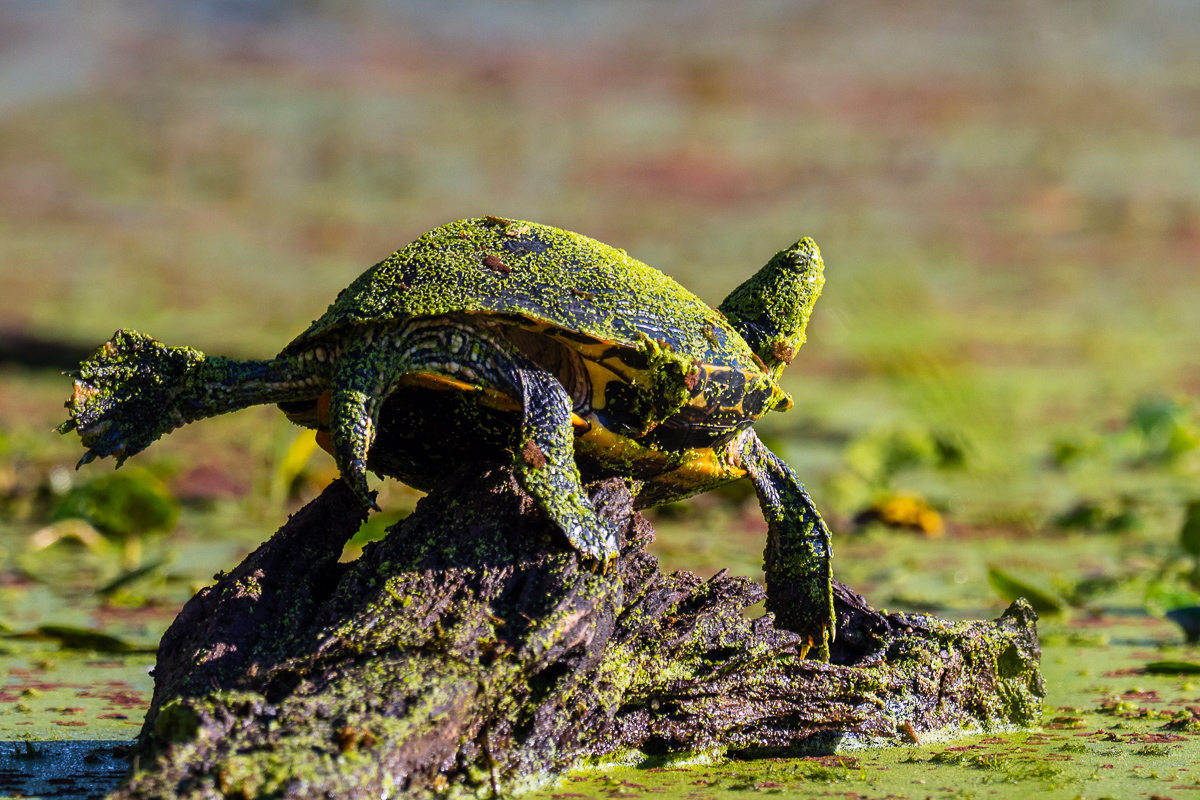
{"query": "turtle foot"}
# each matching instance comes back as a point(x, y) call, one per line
point(354, 417)
point(603, 567)
point(806, 616)
point(126, 395)
point(821, 642)
point(593, 536)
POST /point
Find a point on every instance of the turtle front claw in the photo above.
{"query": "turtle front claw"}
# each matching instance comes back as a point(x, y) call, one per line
point(352, 465)
point(355, 476)
point(599, 566)
point(600, 540)
point(821, 642)
point(806, 609)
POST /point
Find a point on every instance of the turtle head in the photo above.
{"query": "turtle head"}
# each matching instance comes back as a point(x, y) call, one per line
point(772, 308)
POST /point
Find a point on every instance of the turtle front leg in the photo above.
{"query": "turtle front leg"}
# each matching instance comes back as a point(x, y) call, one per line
point(367, 370)
point(372, 364)
point(798, 552)
point(372, 361)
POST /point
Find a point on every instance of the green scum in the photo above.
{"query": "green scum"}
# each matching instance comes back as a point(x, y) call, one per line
point(492, 339)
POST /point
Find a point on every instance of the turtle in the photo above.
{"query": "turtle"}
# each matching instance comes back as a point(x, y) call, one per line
point(494, 338)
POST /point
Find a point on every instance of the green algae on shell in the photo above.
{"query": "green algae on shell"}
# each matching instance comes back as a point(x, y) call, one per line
point(587, 287)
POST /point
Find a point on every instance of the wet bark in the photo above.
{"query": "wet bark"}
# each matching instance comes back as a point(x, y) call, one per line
point(471, 651)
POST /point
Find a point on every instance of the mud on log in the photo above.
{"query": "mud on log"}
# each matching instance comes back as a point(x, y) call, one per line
point(472, 652)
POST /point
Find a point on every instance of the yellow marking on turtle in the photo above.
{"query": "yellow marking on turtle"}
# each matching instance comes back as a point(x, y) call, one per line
point(600, 376)
point(688, 468)
point(603, 366)
point(702, 467)
point(615, 450)
point(81, 394)
point(318, 416)
point(492, 398)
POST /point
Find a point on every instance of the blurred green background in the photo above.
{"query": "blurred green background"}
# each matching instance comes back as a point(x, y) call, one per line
point(1001, 374)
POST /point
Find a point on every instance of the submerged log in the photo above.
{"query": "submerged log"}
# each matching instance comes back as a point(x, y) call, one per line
point(471, 651)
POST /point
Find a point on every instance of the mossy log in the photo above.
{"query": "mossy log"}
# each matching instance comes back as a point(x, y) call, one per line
point(471, 651)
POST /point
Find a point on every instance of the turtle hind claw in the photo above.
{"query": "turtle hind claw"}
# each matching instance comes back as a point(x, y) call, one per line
point(605, 565)
point(358, 486)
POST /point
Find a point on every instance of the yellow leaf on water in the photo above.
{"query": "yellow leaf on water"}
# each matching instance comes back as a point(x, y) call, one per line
point(66, 529)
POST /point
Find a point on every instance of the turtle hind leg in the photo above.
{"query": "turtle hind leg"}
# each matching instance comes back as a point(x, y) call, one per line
point(123, 395)
point(798, 552)
point(545, 467)
point(134, 389)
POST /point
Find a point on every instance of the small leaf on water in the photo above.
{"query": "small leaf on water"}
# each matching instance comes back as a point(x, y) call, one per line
point(70, 554)
point(1009, 589)
point(78, 638)
point(128, 578)
point(906, 511)
point(1173, 668)
point(67, 530)
point(1189, 534)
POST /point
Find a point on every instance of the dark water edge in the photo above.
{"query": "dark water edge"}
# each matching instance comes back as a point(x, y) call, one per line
point(83, 769)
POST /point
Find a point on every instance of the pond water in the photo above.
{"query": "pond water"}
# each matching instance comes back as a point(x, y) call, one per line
point(1109, 728)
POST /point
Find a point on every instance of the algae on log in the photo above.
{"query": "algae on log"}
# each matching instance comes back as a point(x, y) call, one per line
point(472, 651)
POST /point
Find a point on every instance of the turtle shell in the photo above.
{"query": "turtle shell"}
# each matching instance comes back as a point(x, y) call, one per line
point(662, 367)
point(543, 274)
